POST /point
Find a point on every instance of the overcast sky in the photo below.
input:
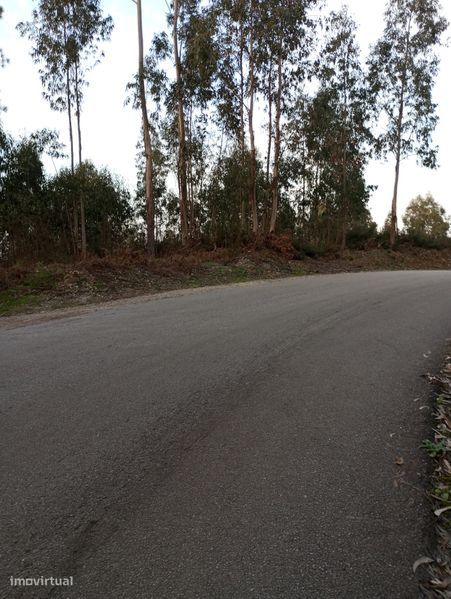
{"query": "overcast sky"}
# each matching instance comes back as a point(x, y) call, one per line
point(111, 130)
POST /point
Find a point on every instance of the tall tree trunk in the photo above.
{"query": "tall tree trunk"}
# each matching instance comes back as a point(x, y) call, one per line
point(190, 173)
point(82, 198)
point(181, 128)
point(243, 218)
point(315, 205)
point(277, 143)
point(253, 152)
point(344, 201)
point(83, 223)
point(69, 116)
point(74, 225)
point(344, 191)
point(394, 204)
point(270, 102)
point(69, 105)
point(78, 110)
point(71, 144)
point(150, 206)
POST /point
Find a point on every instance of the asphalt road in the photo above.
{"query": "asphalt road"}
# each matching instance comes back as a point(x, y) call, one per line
point(235, 442)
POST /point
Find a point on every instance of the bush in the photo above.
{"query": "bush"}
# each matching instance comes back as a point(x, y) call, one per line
point(423, 241)
point(361, 234)
point(308, 250)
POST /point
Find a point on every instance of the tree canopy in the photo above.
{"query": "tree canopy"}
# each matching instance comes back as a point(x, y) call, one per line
point(402, 69)
point(425, 218)
point(257, 118)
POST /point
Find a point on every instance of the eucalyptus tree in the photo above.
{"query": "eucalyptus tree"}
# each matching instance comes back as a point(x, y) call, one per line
point(320, 157)
point(252, 45)
point(194, 56)
point(21, 199)
point(264, 56)
point(2, 56)
point(199, 66)
point(241, 39)
point(24, 206)
point(341, 77)
point(148, 92)
point(175, 17)
point(223, 198)
point(3, 59)
point(312, 169)
point(288, 28)
point(66, 35)
point(231, 90)
point(297, 163)
point(147, 139)
point(49, 32)
point(403, 66)
point(89, 28)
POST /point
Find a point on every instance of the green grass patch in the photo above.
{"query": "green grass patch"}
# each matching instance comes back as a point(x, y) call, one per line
point(12, 302)
point(40, 280)
point(28, 293)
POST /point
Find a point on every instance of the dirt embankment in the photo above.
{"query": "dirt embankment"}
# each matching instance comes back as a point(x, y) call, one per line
point(26, 288)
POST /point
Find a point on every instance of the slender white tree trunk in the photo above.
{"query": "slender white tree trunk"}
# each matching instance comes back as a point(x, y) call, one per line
point(150, 206)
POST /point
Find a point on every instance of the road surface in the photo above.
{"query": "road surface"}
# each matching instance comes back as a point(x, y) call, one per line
point(233, 442)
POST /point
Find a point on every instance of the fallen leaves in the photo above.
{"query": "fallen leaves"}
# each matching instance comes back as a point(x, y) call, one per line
point(421, 561)
point(438, 580)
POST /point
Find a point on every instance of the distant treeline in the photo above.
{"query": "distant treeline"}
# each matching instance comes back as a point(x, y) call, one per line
point(258, 117)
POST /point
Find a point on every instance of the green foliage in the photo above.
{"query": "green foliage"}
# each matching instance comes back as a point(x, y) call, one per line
point(2, 56)
point(12, 302)
point(236, 63)
point(37, 213)
point(65, 36)
point(329, 185)
point(402, 69)
point(22, 203)
point(434, 449)
point(426, 220)
point(223, 197)
point(327, 144)
point(3, 59)
point(362, 230)
point(307, 249)
point(107, 206)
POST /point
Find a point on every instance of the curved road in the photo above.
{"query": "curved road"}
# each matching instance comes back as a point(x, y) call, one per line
point(234, 442)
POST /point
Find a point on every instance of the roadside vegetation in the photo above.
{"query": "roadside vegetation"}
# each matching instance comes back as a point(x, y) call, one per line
point(30, 286)
point(438, 447)
point(211, 205)
point(219, 77)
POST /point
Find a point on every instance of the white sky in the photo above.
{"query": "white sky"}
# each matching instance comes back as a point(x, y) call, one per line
point(111, 130)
